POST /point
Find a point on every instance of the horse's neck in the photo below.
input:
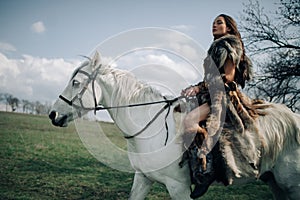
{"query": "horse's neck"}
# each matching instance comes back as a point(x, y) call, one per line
point(122, 88)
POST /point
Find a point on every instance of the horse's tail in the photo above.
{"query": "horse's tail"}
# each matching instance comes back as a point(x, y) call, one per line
point(290, 121)
point(294, 125)
point(297, 119)
point(281, 129)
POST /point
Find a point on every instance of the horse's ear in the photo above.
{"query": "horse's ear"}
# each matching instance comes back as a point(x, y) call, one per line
point(96, 60)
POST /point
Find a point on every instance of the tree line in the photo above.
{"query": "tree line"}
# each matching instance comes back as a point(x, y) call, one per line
point(15, 104)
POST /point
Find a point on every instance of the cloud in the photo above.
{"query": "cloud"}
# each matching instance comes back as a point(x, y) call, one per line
point(183, 28)
point(163, 70)
point(33, 78)
point(38, 27)
point(6, 47)
point(42, 79)
point(37, 79)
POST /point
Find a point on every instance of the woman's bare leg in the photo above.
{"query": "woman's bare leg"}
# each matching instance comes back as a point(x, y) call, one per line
point(191, 121)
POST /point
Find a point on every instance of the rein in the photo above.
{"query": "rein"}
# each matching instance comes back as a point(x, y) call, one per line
point(167, 106)
point(97, 108)
point(91, 79)
point(169, 103)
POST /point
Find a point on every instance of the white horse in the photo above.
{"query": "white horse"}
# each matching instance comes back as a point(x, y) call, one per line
point(155, 153)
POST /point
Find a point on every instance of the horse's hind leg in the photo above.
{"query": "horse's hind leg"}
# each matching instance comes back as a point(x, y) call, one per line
point(141, 186)
point(278, 194)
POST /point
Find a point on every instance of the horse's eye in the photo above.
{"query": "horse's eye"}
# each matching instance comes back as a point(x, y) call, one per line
point(75, 83)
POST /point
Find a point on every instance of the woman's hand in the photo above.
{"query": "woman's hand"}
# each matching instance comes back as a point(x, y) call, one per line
point(190, 91)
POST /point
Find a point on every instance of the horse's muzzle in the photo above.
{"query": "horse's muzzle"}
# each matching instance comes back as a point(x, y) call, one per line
point(57, 120)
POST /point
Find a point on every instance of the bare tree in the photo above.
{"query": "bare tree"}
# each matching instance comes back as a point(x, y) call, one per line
point(10, 100)
point(48, 106)
point(273, 39)
point(42, 108)
point(26, 106)
point(38, 107)
point(32, 107)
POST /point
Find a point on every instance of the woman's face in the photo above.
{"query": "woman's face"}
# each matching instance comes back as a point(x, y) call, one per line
point(219, 28)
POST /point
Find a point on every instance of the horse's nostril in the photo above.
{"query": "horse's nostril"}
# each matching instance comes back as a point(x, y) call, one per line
point(53, 115)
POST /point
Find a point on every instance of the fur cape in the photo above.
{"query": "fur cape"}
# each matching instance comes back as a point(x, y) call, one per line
point(228, 47)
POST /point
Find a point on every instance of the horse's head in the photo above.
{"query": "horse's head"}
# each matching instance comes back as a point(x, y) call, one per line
point(81, 95)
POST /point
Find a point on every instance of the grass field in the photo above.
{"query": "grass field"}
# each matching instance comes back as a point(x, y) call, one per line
point(40, 161)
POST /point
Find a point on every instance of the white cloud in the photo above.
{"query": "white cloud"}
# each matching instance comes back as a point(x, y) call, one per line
point(34, 78)
point(163, 70)
point(6, 47)
point(183, 28)
point(38, 27)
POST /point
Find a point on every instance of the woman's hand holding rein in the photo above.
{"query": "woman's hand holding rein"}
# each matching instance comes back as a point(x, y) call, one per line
point(190, 91)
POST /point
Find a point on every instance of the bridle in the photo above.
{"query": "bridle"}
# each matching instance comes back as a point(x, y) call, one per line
point(78, 96)
point(91, 79)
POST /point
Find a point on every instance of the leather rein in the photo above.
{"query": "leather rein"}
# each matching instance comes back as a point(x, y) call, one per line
point(91, 79)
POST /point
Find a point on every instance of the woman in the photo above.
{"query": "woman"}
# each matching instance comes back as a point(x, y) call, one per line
point(227, 55)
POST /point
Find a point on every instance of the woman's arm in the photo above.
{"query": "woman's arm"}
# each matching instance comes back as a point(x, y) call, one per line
point(229, 69)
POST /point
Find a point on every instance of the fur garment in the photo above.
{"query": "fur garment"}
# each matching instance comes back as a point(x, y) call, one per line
point(226, 47)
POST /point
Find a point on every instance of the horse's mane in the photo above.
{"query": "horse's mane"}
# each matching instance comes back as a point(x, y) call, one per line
point(128, 87)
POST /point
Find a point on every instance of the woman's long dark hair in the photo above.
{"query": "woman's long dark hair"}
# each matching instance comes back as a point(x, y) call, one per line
point(244, 70)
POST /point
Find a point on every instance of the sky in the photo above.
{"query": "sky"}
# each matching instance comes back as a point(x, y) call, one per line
point(41, 40)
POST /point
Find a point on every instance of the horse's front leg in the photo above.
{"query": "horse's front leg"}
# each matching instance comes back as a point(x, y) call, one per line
point(178, 190)
point(141, 186)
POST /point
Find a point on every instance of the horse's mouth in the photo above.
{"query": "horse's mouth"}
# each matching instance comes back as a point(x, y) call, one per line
point(58, 120)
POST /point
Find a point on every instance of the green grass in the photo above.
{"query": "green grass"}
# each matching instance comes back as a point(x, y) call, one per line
point(40, 161)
